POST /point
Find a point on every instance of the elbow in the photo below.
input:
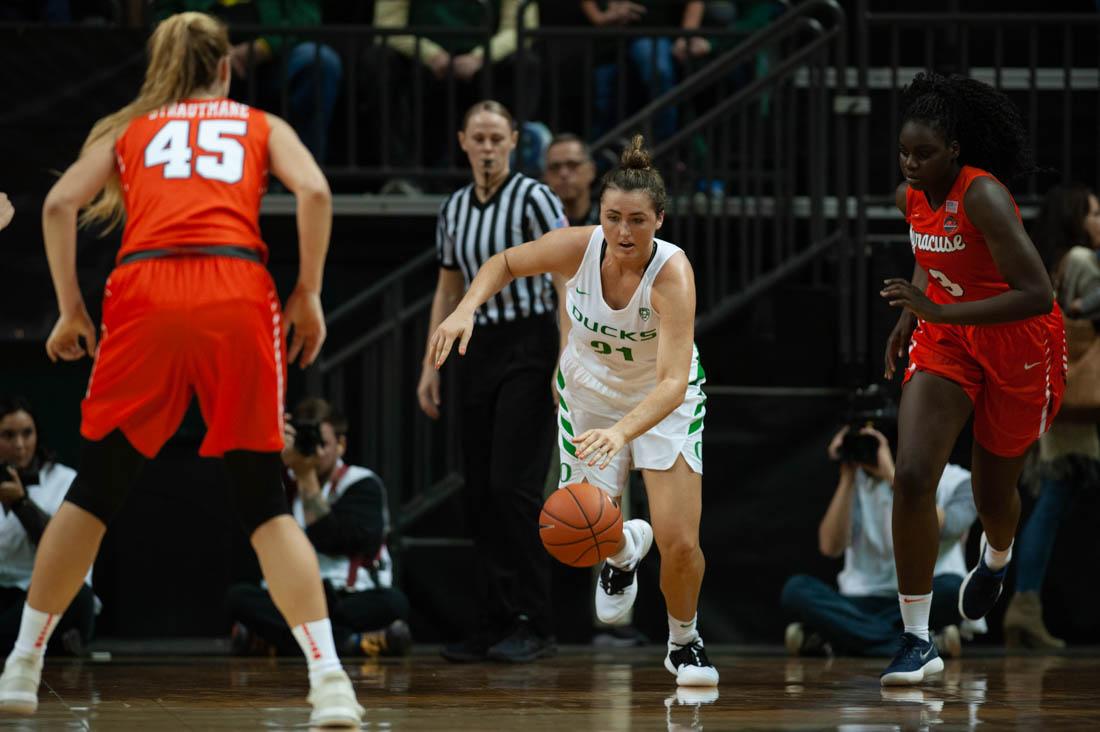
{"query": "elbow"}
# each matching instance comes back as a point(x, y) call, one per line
point(58, 204)
point(829, 548)
point(314, 192)
point(1044, 301)
point(317, 194)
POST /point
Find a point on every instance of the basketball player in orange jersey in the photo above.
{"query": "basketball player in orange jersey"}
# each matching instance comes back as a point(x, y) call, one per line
point(190, 309)
point(984, 337)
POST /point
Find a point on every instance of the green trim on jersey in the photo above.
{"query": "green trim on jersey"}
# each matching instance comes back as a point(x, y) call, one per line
point(568, 427)
point(569, 448)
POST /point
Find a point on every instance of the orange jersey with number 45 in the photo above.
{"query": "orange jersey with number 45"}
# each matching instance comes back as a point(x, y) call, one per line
point(193, 173)
point(950, 248)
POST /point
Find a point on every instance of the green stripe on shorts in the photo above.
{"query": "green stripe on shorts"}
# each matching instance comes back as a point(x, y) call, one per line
point(569, 448)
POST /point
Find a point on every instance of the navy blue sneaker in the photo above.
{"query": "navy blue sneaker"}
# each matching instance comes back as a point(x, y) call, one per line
point(982, 587)
point(915, 660)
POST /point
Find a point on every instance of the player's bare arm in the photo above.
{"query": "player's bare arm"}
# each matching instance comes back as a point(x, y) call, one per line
point(991, 209)
point(898, 341)
point(80, 183)
point(673, 298)
point(293, 164)
point(558, 252)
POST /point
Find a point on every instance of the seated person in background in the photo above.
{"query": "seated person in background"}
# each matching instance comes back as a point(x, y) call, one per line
point(343, 511)
point(570, 172)
point(863, 619)
point(451, 66)
point(313, 71)
point(32, 487)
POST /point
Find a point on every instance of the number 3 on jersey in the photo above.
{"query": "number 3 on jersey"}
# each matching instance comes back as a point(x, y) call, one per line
point(171, 147)
point(952, 288)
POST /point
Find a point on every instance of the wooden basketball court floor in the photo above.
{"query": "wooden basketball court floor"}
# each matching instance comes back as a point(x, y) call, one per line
point(581, 689)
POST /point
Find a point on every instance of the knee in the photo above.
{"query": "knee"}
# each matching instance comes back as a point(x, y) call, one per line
point(305, 55)
point(795, 591)
point(257, 487)
point(107, 469)
point(680, 549)
point(911, 482)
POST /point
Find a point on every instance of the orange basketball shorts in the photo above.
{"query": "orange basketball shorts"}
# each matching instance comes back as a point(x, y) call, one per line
point(177, 327)
point(1014, 373)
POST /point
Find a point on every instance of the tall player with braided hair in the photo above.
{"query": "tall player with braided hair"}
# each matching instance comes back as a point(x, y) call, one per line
point(984, 335)
point(630, 385)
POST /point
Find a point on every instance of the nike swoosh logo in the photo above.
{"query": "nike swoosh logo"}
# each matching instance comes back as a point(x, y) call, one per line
point(907, 601)
point(581, 292)
point(1028, 366)
point(927, 653)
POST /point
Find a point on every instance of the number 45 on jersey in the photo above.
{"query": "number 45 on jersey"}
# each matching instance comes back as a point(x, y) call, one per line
point(171, 147)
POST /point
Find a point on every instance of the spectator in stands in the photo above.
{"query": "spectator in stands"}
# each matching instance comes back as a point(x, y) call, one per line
point(570, 173)
point(1066, 232)
point(453, 68)
point(32, 487)
point(7, 211)
point(344, 513)
point(862, 618)
point(313, 70)
point(650, 57)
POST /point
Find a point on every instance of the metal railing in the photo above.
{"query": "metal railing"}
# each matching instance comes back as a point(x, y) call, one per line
point(765, 143)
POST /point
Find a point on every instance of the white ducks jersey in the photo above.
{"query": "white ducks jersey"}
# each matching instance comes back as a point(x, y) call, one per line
point(614, 352)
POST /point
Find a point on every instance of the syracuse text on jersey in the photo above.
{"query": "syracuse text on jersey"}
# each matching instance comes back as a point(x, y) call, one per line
point(936, 243)
point(219, 108)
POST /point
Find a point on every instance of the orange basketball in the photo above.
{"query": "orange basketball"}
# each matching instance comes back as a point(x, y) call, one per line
point(580, 525)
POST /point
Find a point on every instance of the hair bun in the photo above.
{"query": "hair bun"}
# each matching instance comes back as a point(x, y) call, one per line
point(636, 157)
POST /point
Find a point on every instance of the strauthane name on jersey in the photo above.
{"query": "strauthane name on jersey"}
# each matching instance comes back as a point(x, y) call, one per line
point(192, 110)
point(612, 331)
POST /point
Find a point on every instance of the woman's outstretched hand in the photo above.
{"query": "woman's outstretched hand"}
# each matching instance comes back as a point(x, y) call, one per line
point(458, 326)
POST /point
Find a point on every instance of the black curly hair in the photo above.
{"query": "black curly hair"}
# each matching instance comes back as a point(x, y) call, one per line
point(986, 124)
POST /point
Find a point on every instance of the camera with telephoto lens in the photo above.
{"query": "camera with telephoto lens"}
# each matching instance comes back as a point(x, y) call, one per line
point(307, 437)
point(868, 407)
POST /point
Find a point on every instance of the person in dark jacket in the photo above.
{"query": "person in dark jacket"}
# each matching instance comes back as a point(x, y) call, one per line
point(344, 513)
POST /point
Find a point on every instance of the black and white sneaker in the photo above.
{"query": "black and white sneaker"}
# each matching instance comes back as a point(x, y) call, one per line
point(618, 587)
point(982, 588)
point(690, 665)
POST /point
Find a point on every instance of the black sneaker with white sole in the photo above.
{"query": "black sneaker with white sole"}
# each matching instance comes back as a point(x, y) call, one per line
point(690, 665)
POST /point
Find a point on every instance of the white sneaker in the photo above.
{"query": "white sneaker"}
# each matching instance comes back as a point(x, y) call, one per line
point(617, 588)
point(19, 684)
point(334, 703)
point(690, 665)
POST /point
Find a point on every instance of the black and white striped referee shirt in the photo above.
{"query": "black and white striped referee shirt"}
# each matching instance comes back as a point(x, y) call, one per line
point(469, 232)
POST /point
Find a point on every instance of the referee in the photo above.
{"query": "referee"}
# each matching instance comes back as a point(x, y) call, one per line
point(505, 389)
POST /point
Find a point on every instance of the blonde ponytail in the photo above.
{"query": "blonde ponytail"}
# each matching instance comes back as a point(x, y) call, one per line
point(184, 52)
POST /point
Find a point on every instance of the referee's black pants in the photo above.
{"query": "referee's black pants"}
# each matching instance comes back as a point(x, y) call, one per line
point(507, 437)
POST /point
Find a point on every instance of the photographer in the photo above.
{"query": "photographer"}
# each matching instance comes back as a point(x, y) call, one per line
point(862, 618)
point(343, 511)
point(32, 487)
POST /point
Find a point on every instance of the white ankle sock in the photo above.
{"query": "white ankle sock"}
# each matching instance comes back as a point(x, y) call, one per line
point(996, 559)
point(914, 613)
point(682, 632)
point(35, 630)
point(315, 639)
point(623, 558)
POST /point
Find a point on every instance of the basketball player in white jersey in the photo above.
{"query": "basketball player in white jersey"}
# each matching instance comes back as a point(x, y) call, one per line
point(630, 385)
